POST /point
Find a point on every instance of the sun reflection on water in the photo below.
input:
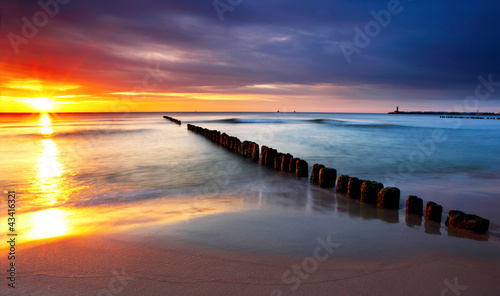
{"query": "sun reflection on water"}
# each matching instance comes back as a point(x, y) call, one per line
point(48, 165)
point(49, 170)
point(49, 174)
point(48, 223)
point(50, 215)
point(45, 125)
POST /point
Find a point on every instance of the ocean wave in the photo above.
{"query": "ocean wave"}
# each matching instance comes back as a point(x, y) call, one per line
point(326, 121)
point(323, 121)
point(244, 120)
point(269, 120)
point(84, 133)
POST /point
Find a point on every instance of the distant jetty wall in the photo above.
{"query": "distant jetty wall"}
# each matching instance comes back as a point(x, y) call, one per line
point(445, 113)
point(365, 191)
point(469, 117)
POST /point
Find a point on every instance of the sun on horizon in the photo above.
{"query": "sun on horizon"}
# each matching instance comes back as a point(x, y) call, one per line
point(42, 104)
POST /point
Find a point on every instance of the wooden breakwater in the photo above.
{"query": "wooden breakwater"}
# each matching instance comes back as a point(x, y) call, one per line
point(176, 121)
point(366, 191)
point(246, 148)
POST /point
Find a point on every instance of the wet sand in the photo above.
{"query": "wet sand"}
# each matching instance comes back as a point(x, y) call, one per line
point(117, 265)
point(320, 245)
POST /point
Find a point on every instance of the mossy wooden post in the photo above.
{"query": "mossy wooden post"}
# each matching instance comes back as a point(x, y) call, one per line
point(461, 220)
point(223, 137)
point(414, 205)
point(388, 198)
point(245, 148)
point(237, 146)
point(255, 152)
point(342, 182)
point(293, 165)
point(369, 191)
point(354, 187)
point(277, 161)
point(433, 212)
point(263, 155)
point(302, 169)
point(315, 173)
point(327, 177)
point(285, 162)
point(271, 153)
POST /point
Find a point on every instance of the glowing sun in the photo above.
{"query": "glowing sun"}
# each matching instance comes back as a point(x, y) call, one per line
point(42, 103)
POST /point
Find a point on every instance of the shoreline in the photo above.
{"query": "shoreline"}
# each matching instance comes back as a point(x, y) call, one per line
point(158, 222)
point(87, 265)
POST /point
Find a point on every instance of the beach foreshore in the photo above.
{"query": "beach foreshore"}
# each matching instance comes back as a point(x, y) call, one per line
point(124, 264)
point(189, 218)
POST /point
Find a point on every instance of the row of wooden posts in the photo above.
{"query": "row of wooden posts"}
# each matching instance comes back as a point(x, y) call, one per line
point(366, 191)
point(176, 121)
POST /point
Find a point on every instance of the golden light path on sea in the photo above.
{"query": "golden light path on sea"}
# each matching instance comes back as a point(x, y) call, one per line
point(50, 216)
point(46, 210)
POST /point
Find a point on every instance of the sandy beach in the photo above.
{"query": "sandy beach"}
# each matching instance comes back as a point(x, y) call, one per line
point(122, 265)
point(192, 218)
point(349, 248)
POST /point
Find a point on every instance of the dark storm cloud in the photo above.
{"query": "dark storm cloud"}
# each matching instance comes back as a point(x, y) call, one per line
point(427, 46)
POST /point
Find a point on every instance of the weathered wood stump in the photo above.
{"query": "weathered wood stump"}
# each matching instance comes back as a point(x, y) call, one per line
point(277, 161)
point(354, 187)
point(414, 205)
point(302, 169)
point(245, 149)
point(285, 162)
point(271, 153)
point(315, 173)
point(388, 198)
point(255, 152)
point(461, 220)
point(293, 165)
point(369, 191)
point(237, 146)
point(342, 183)
point(263, 155)
point(433, 212)
point(327, 177)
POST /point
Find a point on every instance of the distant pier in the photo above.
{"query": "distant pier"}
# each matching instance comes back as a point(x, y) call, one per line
point(468, 117)
point(446, 114)
point(176, 121)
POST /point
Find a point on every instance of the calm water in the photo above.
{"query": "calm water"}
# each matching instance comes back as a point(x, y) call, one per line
point(140, 173)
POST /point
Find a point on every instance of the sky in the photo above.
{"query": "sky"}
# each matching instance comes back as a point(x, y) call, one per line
point(242, 55)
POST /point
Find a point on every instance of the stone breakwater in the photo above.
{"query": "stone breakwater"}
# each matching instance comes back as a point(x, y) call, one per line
point(176, 121)
point(365, 191)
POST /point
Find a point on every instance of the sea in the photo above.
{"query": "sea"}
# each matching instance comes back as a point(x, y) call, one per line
point(141, 176)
